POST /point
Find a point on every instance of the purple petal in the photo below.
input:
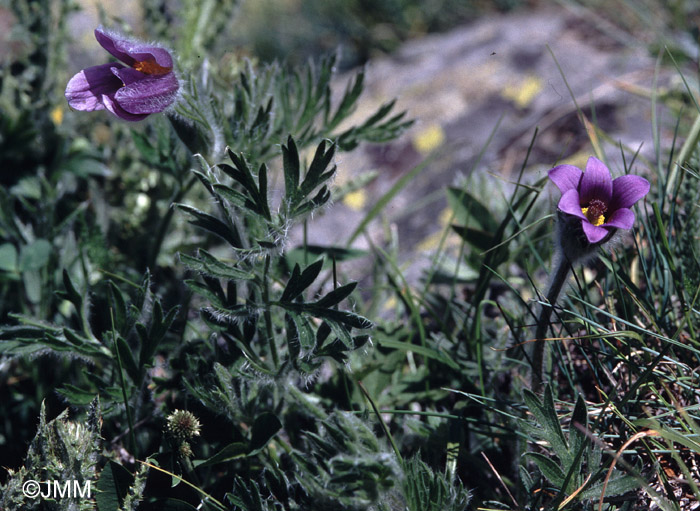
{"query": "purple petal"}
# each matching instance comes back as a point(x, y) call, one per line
point(593, 233)
point(86, 90)
point(108, 41)
point(116, 109)
point(130, 52)
point(566, 177)
point(627, 190)
point(570, 203)
point(596, 182)
point(149, 95)
point(622, 218)
point(128, 75)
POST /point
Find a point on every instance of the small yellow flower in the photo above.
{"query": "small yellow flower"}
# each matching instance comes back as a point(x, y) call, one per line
point(355, 200)
point(525, 92)
point(429, 139)
point(57, 115)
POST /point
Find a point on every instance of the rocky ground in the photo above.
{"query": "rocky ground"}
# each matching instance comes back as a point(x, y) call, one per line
point(499, 79)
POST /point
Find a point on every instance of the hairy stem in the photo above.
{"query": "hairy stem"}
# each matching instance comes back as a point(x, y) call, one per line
point(559, 276)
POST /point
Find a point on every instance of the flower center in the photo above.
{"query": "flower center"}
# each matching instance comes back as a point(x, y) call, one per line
point(595, 212)
point(151, 67)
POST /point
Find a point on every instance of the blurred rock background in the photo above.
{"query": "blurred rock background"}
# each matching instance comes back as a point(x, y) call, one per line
point(477, 77)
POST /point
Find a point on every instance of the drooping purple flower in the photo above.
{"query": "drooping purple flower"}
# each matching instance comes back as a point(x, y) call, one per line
point(144, 86)
point(602, 204)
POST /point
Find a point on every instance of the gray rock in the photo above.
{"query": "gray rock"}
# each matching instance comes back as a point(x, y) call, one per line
point(459, 85)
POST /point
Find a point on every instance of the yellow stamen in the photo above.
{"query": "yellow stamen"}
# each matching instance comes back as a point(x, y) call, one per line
point(151, 67)
point(597, 221)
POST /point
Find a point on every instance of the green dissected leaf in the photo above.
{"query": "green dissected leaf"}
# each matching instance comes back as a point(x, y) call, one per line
point(290, 164)
point(293, 336)
point(468, 208)
point(126, 358)
point(71, 340)
point(347, 103)
point(426, 490)
point(546, 417)
point(24, 339)
point(246, 495)
point(526, 479)
point(193, 263)
point(321, 198)
point(579, 424)
point(482, 240)
point(214, 297)
point(549, 468)
point(346, 318)
point(617, 485)
point(254, 196)
point(230, 452)
point(262, 191)
point(316, 175)
point(240, 172)
point(118, 307)
point(112, 487)
point(375, 129)
point(20, 347)
point(234, 196)
point(203, 177)
point(279, 485)
point(226, 315)
point(300, 280)
point(336, 296)
point(76, 395)
point(211, 224)
point(159, 327)
point(222, 270)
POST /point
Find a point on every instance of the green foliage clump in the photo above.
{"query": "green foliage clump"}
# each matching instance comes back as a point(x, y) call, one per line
point(164, 271)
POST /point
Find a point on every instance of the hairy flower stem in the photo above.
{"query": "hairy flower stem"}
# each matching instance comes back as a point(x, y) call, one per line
point(559, 276)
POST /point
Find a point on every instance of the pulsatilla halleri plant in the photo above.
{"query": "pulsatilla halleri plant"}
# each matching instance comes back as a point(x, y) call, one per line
point(144, 86)
point(593, 206)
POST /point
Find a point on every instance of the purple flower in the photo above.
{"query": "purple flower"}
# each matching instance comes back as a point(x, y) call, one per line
point(600, 202)
point(144, 86)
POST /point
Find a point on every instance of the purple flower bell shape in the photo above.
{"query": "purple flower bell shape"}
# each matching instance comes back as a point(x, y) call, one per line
point(144, 86)
point(595, 201)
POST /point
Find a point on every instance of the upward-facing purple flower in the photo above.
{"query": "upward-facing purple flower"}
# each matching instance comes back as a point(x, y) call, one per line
point(600, 202)
point(144, 86)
